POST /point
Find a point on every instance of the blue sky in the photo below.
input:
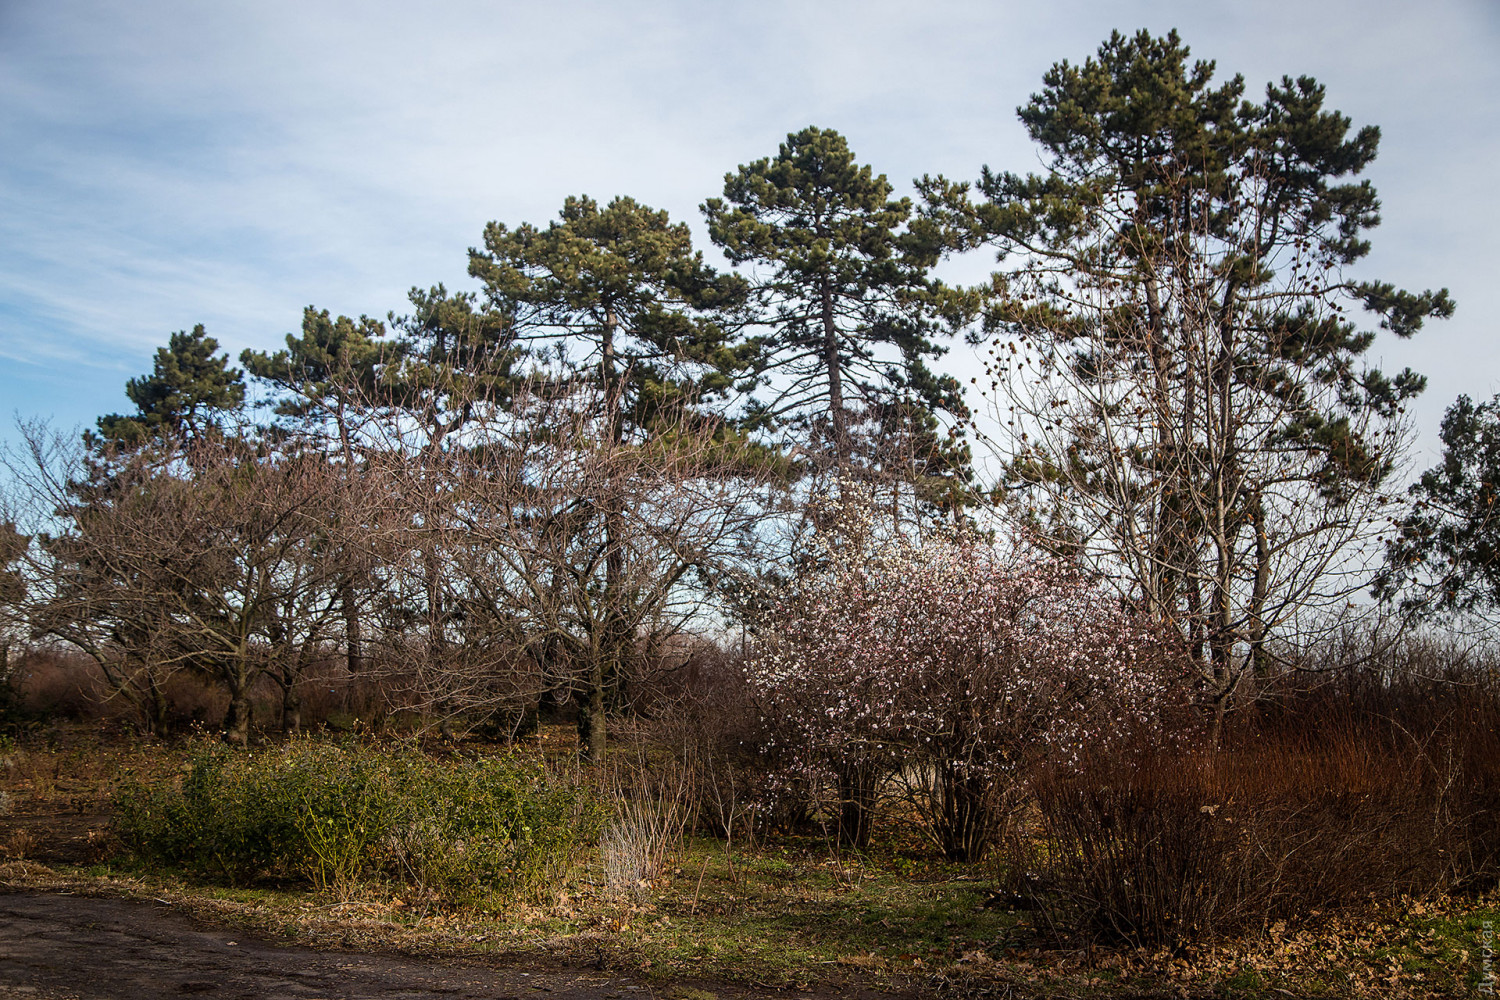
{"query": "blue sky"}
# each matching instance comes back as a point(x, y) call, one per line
point(170, 163)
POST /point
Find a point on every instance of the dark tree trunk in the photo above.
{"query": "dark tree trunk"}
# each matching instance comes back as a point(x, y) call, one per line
point(157, 709)
point(591, 729)
point(835, 377)
point(966, 817)
point(237, 719)
point(352, 639)
point(857, 783)
point(291, 709)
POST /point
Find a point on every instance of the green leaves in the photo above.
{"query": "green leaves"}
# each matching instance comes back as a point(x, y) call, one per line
point(1178, 194)
point(813, 211)
point(489, 831)
point(1137, 103)
point(1186, 384)
point(1402, 312)
point(1445, 554)
point(334, 363)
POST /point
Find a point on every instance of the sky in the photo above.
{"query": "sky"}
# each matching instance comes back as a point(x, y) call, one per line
point(168, 163)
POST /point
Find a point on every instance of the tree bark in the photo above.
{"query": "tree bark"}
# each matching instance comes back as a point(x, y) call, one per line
point(835, 376)
point(237, 719)
point(353, 640)
point(605, 667)
point(291, 710)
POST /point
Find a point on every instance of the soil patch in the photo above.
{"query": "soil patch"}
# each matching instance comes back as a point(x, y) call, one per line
point(61, 946)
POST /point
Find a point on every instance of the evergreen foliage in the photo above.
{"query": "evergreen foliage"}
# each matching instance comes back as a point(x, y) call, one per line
point(1445, 555)
point(1177, 337)
point(624, 284)
point(843, 283)
point(326, 374)
point(187, 393)
point(619, 297)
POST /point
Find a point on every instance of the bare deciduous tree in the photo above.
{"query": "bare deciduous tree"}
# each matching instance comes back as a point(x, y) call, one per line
point(565, 557)
point(212, 555)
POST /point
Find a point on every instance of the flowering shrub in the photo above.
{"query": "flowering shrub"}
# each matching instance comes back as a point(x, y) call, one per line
point(950, 666)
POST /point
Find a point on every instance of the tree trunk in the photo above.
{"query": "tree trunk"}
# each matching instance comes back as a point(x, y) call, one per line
point(237, 719)
point(157, 708)
point(966, 815)
point(605, 666)
point(432, 583)
point(591, 731)
point(347, 598)
point(856, 787)
point(352, 638)
point(291, 709)
point(1259, 662)
point(835, 378)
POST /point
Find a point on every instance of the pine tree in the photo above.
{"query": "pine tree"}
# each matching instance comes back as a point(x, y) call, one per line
point(1176, 340)
point(1444, 557)
point(619, 297)
point(616, 299)
point(328, 375)
point(187, 394)
point(844, 287)
point(453, 356)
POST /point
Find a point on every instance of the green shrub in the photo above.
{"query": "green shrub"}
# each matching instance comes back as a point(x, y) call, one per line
point(460, 832)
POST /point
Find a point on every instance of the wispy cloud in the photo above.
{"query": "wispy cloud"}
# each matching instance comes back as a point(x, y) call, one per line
point(166, 163)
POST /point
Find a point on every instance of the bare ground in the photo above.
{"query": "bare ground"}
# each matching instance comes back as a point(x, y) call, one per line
point(84, 948)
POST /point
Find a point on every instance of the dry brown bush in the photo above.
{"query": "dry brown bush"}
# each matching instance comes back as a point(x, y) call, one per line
point(55, 684)
point(706, 711)
point(1341, 789)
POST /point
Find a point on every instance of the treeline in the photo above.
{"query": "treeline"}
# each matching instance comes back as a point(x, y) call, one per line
point(527, 495)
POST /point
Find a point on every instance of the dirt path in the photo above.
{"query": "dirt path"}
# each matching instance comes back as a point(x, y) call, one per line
point(54, 947)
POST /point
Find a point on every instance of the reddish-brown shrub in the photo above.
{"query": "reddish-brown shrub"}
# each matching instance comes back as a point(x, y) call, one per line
point(50, 683)
point(1339, 789)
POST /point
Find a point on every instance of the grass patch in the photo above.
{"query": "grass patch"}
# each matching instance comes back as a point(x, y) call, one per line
point(792, 915)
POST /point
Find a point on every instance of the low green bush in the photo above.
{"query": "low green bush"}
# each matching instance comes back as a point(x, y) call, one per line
point(473, 832)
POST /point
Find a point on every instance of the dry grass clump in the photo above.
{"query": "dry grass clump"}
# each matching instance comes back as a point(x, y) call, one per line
point(653, 807)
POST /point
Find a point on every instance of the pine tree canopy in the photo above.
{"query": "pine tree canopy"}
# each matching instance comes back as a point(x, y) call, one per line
point(187, 393)
point(620, 298)
point(843, 286)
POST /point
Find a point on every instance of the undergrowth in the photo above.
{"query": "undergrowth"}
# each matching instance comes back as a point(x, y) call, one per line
point(462, 832)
